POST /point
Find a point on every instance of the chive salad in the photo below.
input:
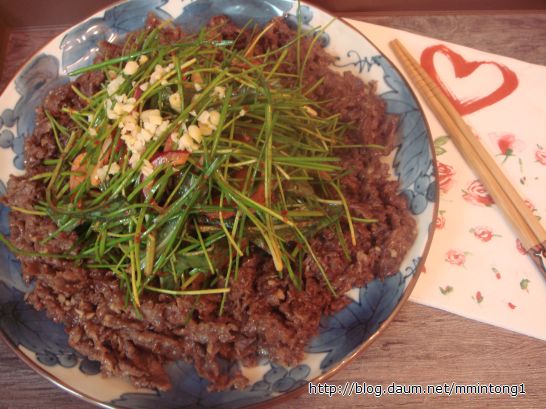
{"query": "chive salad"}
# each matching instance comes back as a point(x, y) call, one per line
point(190, 156)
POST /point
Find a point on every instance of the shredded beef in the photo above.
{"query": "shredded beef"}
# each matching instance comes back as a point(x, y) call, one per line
point(264, 315)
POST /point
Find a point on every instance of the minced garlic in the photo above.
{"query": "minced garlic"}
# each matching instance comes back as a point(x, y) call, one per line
point(147, 168)
point(114, 85)
point(195, 133)
point(214, 118)
point(185, 142)
point(114, 169)
point(130, 68)
point(175, 102)
point(219, 92)
point(208, 121)
point(159, 71)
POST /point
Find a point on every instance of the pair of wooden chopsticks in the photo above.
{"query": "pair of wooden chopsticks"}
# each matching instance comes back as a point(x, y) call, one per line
point(529, 230)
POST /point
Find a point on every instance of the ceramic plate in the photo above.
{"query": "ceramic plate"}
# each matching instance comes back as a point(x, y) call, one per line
point(43, 344)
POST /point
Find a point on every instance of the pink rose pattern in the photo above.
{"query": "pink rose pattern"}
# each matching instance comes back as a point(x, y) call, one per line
point(483, 233)
point(476, 194)
point(440, 220)
point(445, 176)
point(519, 246)
point(456, 257)
point(540, 155)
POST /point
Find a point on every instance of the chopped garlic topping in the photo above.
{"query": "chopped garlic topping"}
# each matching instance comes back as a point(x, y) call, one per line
point(203, 117)
point(152, 116)
point(219, 92)
point(114, 85)
point(242, 113)
point(175, 102)
point(99, 174)
point(92, 132)
point(161, 128)
point(159, 71)
point(139, 128)
point(149, 127)
point(133, 160)
point(195, 133)
point(214, 118)
point(109, 111)
point(147, 169)
point(144, 136)
point(126, 105)
point(206, 130)
point(135, 143)
point(129, 123)
point(208, 121)
point(118, 109)
point(122, 106)
point(114, 168)
point(130, 68)
point(185, 142)
point(175, 137)
point(197, 86)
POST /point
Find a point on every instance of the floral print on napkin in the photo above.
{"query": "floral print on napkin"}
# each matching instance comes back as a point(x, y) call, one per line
point(476, 265)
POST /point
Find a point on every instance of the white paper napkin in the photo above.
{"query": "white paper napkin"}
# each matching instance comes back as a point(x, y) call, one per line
point(476, 267)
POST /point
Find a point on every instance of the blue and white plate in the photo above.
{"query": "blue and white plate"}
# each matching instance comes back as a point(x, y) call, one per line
point(43, 344)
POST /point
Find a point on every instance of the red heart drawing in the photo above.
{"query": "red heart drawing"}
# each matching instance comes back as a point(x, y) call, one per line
point(463, 69)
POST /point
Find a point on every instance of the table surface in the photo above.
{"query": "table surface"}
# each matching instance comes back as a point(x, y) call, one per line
point(422, 345)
